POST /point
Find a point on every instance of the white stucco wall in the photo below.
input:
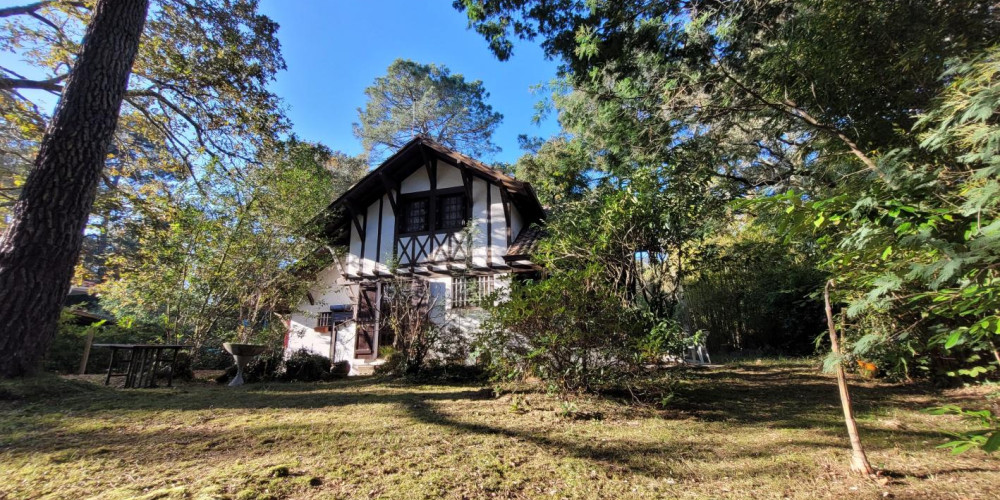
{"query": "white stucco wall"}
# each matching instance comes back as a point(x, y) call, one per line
point(386, 250)
point(489, 221)
point(416, 182)
point(480, 214)
point(331, 289)
point(448, 176)
point(371, 238)
point(328, 290)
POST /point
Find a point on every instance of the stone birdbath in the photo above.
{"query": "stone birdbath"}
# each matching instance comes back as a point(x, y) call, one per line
point(243, 354)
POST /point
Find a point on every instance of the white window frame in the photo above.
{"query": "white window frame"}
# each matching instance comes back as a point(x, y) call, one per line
point(469, 291)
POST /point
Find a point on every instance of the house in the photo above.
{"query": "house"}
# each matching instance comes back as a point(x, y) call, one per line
point(429, 214)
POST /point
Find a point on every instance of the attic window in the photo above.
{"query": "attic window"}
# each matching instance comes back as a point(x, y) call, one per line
point(451, 211)
point(415, 215)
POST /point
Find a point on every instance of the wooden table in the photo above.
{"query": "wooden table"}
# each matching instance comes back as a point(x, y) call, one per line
point(138, 363)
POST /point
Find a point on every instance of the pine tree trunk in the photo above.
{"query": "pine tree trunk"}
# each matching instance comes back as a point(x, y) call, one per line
point(859, 460)
point(40, 248)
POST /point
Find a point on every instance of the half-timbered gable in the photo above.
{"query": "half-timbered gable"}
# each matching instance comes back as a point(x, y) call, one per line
point(429, 213)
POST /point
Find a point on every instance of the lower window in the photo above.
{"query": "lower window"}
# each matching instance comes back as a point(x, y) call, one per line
point(324, 321)
point(470, 291)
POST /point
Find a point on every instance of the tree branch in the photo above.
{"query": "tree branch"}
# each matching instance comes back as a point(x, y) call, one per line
point(31, 8)
point(51, 85)
point(790, 108)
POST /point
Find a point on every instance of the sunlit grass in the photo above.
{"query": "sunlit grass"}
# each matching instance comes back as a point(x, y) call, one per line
point(769, 430)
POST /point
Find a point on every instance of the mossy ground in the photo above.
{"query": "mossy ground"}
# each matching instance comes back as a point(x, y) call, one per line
point(748, 430)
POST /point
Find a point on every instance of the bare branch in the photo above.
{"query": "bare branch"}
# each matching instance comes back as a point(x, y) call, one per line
point(171, 138)
point(31, 8)
point(51, 85)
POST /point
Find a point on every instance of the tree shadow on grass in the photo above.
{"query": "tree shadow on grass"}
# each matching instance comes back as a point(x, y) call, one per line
point(787, 397)
point(775, 397)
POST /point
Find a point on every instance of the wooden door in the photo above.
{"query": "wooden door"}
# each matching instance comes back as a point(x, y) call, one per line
point(364, 339)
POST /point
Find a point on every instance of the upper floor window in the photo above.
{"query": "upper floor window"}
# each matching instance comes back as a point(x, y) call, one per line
point(436, 211)
point(416, 215)
point(451, 211)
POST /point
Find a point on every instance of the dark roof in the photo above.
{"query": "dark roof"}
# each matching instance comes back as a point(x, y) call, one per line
point(526, 242)
point(415, 154)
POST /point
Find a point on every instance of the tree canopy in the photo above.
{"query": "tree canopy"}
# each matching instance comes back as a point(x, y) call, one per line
point(413, 98)
point(859, 135)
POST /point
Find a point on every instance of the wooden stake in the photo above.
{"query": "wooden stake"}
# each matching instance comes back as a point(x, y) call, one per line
point(859, 461)
point(86, 351)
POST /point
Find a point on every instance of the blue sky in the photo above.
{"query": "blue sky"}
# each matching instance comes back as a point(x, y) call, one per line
point(336, 48)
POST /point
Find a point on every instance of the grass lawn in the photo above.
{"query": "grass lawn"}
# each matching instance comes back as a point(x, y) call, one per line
point(751, 430)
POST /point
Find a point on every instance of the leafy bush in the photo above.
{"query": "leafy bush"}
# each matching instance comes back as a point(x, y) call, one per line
point(306, 366)
point(340, 369)
point(407, 312)
point(66, 351)
point(569, 330)
point(986, 438)
point(768, 295)
point(300, 366)
point(182, 367)
point(263, 368)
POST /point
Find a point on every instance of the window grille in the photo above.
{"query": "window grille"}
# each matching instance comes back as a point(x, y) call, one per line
point(325, 320)
point(470, 291)
point(416, 215)
point(451, 211)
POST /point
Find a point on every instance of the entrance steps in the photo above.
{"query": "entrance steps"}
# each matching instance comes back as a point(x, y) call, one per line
point(364, 367)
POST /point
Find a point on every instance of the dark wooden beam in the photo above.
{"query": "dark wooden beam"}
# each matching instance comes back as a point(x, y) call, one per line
point(389, 191)
point(489, 225)
point(430, 165)
point(353, 213)
point(378, 241)
point(364, 237)
point(467, 183)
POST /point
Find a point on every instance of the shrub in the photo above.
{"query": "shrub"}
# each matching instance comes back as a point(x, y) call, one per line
point(407, 312)
point(306, 366)
point(569, 330)
point(263, 368)
point(300, 366)
point(340, 369)
point(767, 291)
point(183, 367)
point(66, 351)
point(421, 340)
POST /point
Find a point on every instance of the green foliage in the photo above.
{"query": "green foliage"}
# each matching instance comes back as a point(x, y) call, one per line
point(306, 366)
point(414, 98)
point(560, 170)
point(987, 438)
point(299, 366)
point(423, 342)
point(204, 200)
point(867, 135)
point(340, 369)
point(264, 368)
point(569, 329)
point(767, 291)
point(214, 270)
point(66, 352)
point(914, 242)
point(198, 100)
